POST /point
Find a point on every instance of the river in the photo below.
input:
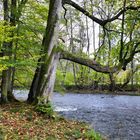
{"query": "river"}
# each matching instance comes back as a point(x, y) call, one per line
point(115, 116)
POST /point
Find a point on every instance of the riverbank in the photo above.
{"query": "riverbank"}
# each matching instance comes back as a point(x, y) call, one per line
point(103, 89)
point(88, 91)
point(21, 121)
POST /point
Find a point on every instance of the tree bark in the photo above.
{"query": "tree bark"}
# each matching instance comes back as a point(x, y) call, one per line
point(6, 85)
point(112, 82)
point(5, 47)
point(89, 63)
point(44, 78)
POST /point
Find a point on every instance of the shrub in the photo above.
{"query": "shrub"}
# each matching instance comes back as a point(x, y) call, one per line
point(92, 135)
point(45, 108)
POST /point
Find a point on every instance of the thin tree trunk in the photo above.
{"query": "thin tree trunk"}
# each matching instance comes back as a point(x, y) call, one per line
point(12, 23)
point(112, 82)
point(111, 76)
point(13, 70)
point(72, 46)
point(5, 73)
point(88, 42)
point(132, 67)
point(93, 26)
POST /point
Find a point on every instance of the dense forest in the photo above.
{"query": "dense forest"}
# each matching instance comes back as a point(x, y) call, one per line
point(83, 44)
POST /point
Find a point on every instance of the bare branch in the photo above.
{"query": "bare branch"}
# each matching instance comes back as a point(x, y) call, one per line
point(109, 30)
point(121, 12)
point(122, 34)
point(97, 20)
point(73, 4)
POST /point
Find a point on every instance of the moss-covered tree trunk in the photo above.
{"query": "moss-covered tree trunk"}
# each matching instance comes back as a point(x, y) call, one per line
point(44, 78)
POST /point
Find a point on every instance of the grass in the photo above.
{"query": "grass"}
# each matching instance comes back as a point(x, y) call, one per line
point(20, 121)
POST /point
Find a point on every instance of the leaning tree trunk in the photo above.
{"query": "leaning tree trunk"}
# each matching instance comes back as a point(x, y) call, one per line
point(46, 85)
point(44, 78)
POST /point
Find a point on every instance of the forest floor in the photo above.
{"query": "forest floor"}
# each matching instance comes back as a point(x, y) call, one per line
point(19, 121)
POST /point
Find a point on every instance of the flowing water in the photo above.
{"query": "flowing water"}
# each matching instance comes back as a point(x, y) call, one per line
point(115, 116)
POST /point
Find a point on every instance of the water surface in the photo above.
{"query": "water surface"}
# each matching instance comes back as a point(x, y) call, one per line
point(115, 116)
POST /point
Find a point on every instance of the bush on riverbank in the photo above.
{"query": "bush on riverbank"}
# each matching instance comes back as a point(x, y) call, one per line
point(98, 89)
point(21, 121)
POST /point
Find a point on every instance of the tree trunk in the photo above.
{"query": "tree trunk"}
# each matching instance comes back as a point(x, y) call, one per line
point(44, 78)
point(48, 85)
point(5, 73)
point(112, 82)
point(6, 85)
point(33, 88)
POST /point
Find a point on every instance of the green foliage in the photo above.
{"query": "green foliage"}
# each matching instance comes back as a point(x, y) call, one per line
point(23, 77)
point(45, 108)
point(92, 135)
point(5, 32)
point(75, 133)
point(69, 78)
point(122, 76)
point(61, 81)
point(81, 134)
point(2, 134)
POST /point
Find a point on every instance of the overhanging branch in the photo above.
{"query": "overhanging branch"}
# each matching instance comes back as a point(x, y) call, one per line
point(89, 63)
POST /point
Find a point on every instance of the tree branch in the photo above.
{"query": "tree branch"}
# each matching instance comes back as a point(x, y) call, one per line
point(97, 20)
point(130, 58)
point(76, 6)
point(137, 51)
point(122, 34)
point(89, 63)
point(121, 12)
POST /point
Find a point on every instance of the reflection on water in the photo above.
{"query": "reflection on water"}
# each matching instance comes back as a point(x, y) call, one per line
point(117, 117)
